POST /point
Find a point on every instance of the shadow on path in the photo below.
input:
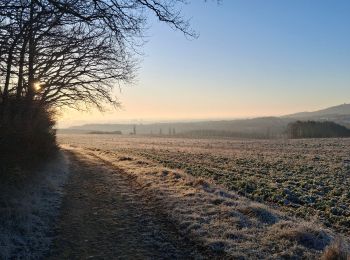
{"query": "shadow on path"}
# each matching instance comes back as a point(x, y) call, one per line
point(104, 217)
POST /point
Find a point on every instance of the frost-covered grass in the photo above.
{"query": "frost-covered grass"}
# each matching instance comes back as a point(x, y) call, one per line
point(28, 210)
point(307, 178)
point(219, 220)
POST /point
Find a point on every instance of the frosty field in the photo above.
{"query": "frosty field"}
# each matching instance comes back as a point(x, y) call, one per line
point(304, 178)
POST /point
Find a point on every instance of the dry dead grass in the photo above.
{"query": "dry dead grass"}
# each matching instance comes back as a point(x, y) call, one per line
point(336, 251)
point(219, 219)
point(307, 234)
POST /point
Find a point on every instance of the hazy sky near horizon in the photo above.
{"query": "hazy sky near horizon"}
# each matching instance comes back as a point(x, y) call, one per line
point(252, 58)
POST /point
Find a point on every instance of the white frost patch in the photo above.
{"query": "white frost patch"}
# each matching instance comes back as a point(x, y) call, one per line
point(27, 214)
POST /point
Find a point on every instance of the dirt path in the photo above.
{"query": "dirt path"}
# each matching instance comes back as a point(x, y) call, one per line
point(105, 216)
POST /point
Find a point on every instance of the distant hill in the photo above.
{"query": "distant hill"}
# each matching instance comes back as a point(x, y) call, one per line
point(340, 110)
point(262, 127)
point(338, 114)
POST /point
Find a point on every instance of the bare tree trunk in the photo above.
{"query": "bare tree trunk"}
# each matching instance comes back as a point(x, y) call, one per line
point(21, 69)
point(8, 73)
point(1, 53)
point(31, 39)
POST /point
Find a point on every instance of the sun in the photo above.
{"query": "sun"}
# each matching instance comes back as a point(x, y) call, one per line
point(37, 86)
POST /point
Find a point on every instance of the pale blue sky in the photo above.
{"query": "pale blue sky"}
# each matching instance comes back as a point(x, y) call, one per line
point(253, 58)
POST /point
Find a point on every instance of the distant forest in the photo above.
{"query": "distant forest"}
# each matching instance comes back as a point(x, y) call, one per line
point(105, 133)
point(314, 129)
point(328, 122)
point(258, 128)
point(219, 133)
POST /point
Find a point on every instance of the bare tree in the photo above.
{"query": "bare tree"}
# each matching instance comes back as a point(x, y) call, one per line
point(73, 53)
point(56, 53)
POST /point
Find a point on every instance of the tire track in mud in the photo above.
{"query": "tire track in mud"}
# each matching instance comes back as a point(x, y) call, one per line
point(103, 216)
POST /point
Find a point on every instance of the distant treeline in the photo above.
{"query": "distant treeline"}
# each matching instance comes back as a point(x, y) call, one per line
point(218, 133)
point(258, 128)
point(105, 132)
point(315, 129)
point(269, 126)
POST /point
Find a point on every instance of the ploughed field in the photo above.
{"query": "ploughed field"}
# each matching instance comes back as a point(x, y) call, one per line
point(305, 178)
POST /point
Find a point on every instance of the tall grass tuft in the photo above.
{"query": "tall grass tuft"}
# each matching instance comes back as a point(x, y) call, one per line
point(336, 251)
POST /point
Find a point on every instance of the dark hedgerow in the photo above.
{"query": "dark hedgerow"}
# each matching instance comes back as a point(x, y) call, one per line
point(27, 134)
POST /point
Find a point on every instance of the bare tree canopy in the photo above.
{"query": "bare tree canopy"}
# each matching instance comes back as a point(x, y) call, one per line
point(73, 52)
point(66, 53)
